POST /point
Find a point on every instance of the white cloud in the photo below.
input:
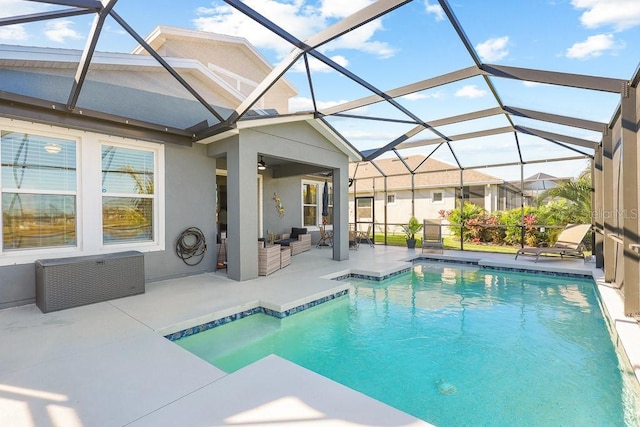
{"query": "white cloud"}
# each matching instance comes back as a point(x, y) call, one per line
point(13, 32)
point(300, 20)
point(593, 47)
point(531, 84)
point(621, 14)
point(421, 95)
point(493, 49)
point(318, 66)
point(360, 39)
point(226, 20)
point(434, 9)
point(341, 8)
point(19, 7)
point(60, 31)
point(471, 91)
point(301, 103)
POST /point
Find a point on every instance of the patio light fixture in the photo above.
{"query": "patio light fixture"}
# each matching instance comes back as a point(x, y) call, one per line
point(261, 164)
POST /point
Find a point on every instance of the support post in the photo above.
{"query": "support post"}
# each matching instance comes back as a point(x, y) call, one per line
point(521, 205)
point(609, 246)
point(386, 217)
point(596, 207)
point(631, 203)
point(461, 209)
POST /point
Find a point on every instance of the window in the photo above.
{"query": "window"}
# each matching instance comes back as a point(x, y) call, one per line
point(329, 217)
point(67, 193)
point(312, 204)
point(391, 199)
point(127, 194)
point(436, 197)
point(38, 191)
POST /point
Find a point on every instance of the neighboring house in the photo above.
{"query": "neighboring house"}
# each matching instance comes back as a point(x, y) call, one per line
point(537, 184)
point(436, 187)
point(76, 185)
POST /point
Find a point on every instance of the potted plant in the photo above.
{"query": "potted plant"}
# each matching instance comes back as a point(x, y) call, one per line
point(410, 229)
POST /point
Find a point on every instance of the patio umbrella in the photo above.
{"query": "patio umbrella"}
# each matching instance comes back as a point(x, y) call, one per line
point(325, 199)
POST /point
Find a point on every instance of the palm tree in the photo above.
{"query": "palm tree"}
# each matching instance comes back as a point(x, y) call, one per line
point(577, 193)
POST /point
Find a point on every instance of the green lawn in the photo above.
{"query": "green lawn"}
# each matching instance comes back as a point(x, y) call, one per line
point(453, 243)
point(449, 243)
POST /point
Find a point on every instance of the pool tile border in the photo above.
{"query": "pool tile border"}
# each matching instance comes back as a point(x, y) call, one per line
point(370, 277)
point(585, 275)
point(246, 313)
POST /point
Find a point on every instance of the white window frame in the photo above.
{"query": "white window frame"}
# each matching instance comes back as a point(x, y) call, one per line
point(89, 195)
point(303, 204)
point(319, 187)
point(156, 208)
point(394, 198)
point(12, 253)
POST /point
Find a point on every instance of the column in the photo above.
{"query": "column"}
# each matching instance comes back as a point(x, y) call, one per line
point(631, 223)
point(609, 247)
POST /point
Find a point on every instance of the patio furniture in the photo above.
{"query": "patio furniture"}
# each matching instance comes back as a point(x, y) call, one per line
point(285, 256)
point(569, 243)
point(364, 235)
point(353, 240)
point(432, 235)
point(326, 237)
point(298, 240)
point(269, 258)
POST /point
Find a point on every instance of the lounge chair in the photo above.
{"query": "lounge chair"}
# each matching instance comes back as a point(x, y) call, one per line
point(432, 235)
point(569, 243)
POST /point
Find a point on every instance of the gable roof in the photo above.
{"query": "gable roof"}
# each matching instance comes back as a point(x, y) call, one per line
point(162, 33)
point(431, 174)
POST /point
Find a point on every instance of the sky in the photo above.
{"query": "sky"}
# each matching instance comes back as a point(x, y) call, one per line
point(412, 43)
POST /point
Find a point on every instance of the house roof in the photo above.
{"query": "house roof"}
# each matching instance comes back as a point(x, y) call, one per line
point(430, 174)
point(541, 175)
point(159, 36)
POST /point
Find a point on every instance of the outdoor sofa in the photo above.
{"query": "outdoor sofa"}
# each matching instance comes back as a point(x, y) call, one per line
point(298, 240)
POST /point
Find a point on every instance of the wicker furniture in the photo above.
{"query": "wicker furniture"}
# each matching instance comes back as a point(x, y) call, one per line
point(71, 282)
point(298, 240)
point(285, 256)
point(269, 258)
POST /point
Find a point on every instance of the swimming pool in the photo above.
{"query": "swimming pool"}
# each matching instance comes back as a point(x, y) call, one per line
point(452, 345)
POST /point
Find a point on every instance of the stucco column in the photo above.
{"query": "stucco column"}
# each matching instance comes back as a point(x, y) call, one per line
point(341, 214)
point(631, 179)
point(609, 246)
point(596, 206)
point(242, 197)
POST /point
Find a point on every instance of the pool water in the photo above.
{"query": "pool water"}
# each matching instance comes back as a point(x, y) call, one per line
point(453, 346)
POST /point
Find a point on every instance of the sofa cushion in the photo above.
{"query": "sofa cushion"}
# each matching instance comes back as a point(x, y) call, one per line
point(285, 242)
point(295, 232)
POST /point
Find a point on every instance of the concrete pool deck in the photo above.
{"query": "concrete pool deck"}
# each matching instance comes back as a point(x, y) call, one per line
point(108, 364)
